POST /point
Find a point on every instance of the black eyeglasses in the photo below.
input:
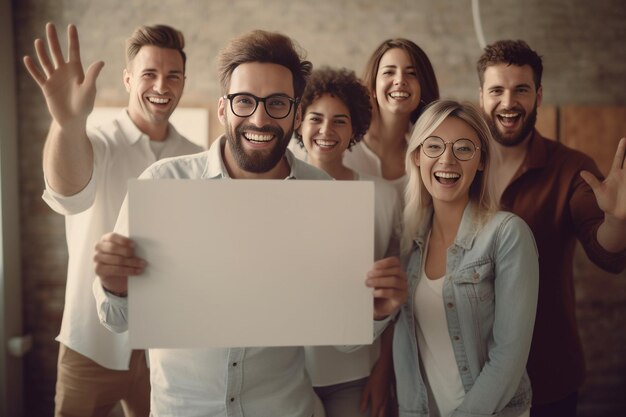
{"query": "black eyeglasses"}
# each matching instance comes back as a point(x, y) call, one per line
point(463, 149)
point(277, 106)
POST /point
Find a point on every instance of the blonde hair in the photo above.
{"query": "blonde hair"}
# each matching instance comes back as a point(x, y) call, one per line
point(418, 200)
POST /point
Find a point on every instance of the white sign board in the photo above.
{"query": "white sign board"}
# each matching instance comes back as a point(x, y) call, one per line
point(235, 263)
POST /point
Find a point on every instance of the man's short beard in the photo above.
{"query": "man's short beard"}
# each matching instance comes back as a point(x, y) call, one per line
point(527, 128)
point(257, 162)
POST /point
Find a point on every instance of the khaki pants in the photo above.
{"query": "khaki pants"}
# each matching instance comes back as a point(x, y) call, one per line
point(85, 388)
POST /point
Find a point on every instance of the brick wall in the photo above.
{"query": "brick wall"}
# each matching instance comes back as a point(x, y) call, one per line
point(585, 63)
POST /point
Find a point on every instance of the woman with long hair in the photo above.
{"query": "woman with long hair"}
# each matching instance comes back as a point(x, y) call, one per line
point(401, 82)
point(462, 339)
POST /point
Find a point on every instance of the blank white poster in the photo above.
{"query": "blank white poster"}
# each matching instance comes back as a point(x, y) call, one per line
point(235, 263)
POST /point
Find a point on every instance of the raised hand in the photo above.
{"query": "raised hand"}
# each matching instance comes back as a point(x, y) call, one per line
point(611, 193)
point(115, 260)
point(69, 93)
point(388, 280)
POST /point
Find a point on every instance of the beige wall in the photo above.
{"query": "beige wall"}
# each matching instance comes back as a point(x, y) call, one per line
point(582, 44)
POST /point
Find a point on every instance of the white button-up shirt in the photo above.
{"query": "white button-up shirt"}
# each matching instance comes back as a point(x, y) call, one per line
point(121, 151)
point(219, 382)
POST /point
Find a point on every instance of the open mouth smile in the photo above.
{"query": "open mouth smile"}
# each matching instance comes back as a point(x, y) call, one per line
point(446, 177)
point(509, 119)
point(258, 137)
point(325, 144)
point(159, 100)
point(399, 95)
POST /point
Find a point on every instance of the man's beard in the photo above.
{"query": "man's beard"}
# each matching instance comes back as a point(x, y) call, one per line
point(509, 141)
point(257, 161)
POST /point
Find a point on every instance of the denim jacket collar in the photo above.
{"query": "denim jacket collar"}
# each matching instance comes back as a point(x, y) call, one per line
point(468, 229)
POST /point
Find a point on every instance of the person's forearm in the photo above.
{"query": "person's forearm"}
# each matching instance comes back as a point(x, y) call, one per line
point(67, 158)
point(117, 286)
point(611, 234)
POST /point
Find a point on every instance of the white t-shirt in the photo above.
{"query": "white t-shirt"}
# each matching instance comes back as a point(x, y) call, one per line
point(121, 151)
point(441, 373)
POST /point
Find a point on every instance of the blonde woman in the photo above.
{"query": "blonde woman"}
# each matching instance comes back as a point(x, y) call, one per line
point(462, 339)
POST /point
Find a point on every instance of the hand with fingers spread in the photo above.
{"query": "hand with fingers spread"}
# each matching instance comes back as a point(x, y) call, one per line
point(115, 260)
point(69, 93)
point(611, 198)
point(611, 193)
point(70, 97)
point(388, 280)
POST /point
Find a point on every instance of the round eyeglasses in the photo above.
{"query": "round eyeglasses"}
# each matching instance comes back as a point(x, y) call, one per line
point(277, 106)
point(462, 149)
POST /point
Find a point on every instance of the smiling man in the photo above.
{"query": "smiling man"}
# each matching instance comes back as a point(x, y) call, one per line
point(555, 190)
point(262, 78)
point(86, 171)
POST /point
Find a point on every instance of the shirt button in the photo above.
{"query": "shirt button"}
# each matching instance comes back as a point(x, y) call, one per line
point(464, 369)
point(232, 399)
point(450, 305)
point(457, 338)
point(234, 363)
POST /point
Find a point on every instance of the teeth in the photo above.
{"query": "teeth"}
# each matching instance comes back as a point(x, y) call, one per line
point(509, 115)
point(399, 94)
point(257, 137)
point(323, 143)
point(447, 175)
point(158, 100)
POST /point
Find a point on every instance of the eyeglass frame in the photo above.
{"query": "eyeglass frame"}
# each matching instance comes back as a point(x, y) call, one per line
point(293, 102)
point(445, 144)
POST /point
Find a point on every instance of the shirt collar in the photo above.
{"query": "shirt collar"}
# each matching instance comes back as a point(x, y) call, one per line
point(468, 229)
point(132, 133)
point(216, 169)
point(537, 155)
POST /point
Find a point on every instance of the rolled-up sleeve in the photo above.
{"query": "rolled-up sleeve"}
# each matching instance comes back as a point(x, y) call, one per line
point(73, 204)
point(112, 310)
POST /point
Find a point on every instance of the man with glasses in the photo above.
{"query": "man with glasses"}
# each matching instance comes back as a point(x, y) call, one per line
point(552, 188)
point(262, 77)
point(86, 171)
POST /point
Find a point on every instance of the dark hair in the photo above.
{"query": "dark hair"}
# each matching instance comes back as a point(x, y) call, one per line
point(344, 85)
point(263, 46)
point(510, 53)
point(162, 36)
point(423, 67)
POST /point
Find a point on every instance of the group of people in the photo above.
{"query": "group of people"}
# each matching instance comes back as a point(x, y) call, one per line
point(476, 218)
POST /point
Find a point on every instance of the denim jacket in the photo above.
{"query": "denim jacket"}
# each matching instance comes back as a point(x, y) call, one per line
point(490, 296)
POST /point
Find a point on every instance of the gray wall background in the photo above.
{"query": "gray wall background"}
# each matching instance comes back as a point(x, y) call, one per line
point(582, 42)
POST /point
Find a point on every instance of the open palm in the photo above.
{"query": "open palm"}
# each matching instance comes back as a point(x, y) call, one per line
point(611, 193)
point(69, 93)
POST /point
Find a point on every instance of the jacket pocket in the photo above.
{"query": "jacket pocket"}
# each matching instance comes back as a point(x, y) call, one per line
point(477, 282)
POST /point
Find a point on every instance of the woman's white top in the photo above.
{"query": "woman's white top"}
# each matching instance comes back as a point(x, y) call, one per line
point(441, 372)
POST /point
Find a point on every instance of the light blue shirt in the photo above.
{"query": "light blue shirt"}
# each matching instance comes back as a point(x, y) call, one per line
point(219, 382)
point(490, 297)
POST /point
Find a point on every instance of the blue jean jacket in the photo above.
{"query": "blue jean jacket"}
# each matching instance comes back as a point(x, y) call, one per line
point(490, 297)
